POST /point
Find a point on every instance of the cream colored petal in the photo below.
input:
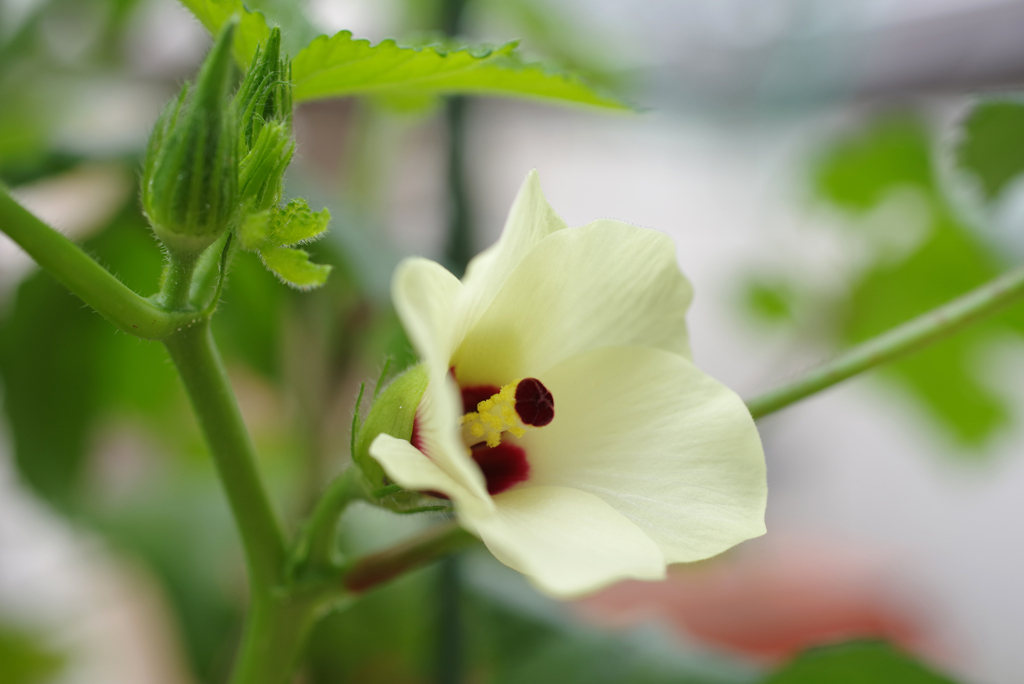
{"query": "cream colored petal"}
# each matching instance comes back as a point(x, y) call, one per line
point(438, 426)
point(409, 467)
point(530, 220)
point(568, 542)
point(669, 447)
point(424, 294)
point(606, 283)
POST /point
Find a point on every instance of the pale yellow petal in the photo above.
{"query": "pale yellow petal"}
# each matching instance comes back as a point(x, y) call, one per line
point(566, 541)
point(530, 220)
point(440, 435)
point(424, 294)
point(409, 467)
point(606, 283)
point(669, 447)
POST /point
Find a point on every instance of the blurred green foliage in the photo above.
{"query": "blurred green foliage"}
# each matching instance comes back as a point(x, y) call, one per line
point(24, 659)
point(772, 300)
point(522, 647)
point(856, 662)
point(857, 174)
point(69, 369)
point(513, 636)
point(991, 146)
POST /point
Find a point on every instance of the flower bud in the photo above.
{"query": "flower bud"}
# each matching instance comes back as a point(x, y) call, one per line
point(266, 145)
point(190, 178)
point(393, 413)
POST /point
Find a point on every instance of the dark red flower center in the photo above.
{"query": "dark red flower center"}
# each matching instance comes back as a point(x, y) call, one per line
point(503, 466)
point(471, 396)
point(487, 426)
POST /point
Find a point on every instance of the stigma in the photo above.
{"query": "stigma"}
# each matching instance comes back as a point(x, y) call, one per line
point(512, 409)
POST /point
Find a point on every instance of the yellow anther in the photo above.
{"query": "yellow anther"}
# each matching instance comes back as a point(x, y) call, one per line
point(493, 417)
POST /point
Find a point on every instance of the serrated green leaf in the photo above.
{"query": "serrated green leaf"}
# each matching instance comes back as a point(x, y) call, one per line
point(290, 16)
point(991, 147)
point(341, 66)
point(406, 103)
point(252, 29)
point(296, 223)
point(294, 268)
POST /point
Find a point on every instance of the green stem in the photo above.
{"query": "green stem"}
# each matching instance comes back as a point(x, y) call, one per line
point(900, 341)
point(377, 568)
point(195, 355)
point(449, 663)
point(322, 528)
point(459, 247)
point(275, 632)
point(80, 273)
point(177, 281)
point(278, 622)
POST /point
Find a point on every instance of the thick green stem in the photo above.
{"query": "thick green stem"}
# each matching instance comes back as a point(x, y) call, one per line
point(80, 273)
point(275, 632)
point(278, 622)
point(377, 568)
point(195, 355)
point(900, 341)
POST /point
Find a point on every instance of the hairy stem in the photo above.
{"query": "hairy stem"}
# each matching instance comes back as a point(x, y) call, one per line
point(198, 362)
point(898, 342)
point(177, 281)
point(80, 273)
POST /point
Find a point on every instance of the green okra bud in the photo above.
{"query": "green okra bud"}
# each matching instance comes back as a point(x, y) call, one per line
point(392, 413)
point(190, 177)
point(265, 141)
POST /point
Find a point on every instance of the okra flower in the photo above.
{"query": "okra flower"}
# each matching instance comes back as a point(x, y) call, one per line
point(563, 416)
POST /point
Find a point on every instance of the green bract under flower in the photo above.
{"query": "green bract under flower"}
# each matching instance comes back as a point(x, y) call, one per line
point(563, 415)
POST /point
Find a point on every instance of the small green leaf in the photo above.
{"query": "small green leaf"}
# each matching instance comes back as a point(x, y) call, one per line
point(294, 268)
point(341, 66)
point(991, 147)
point(252, 30)
point(297, 223)
point(290, 16)
point(855, 662)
